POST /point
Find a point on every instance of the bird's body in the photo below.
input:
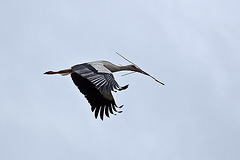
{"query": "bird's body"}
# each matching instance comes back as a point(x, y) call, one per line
point(96, 81)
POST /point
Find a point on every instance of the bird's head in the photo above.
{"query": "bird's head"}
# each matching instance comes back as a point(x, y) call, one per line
point(137, 69)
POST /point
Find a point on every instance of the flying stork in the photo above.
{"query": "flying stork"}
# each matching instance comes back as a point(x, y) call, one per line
point(95, 80)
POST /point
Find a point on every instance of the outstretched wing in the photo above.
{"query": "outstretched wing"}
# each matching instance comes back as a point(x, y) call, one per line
point(98, 75)
point(97, 89)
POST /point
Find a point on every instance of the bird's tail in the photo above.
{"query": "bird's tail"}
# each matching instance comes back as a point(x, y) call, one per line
point(62, 72)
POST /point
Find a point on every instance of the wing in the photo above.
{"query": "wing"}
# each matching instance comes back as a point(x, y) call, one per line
point(98, 102)
point(102, 102)
point(98, 75)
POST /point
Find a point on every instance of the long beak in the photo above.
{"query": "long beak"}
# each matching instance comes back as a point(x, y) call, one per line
point(139, 70)
point(143, 72)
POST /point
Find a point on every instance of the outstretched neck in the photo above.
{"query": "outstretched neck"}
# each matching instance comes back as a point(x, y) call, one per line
point(122, 68)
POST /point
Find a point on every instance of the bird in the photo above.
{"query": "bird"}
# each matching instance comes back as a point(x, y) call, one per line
point(96, 82)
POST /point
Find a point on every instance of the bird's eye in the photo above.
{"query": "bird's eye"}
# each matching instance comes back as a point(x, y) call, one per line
point(134, 66)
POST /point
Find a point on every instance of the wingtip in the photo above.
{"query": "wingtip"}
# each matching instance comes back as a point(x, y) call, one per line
point(119, 106)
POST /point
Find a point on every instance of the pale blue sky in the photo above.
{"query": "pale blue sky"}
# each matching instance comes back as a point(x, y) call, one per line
point(191, 45)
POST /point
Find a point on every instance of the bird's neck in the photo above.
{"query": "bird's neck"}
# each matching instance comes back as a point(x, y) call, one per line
point(120, 68)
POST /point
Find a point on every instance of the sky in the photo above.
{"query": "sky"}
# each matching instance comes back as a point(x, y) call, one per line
point(192, 46)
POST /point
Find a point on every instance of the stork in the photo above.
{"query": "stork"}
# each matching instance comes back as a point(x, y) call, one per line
point(96, 81)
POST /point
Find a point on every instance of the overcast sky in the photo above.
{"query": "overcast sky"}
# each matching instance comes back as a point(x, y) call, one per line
point(191, 45)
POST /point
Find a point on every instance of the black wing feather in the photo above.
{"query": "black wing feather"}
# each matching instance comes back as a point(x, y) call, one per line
point(94, 97)
point(106, 111)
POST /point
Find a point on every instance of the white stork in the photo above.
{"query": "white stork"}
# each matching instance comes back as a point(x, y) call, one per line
point(95, 80)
